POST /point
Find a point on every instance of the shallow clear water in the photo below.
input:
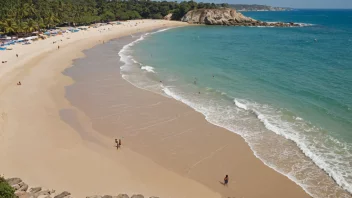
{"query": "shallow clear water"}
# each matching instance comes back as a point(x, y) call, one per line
point(287, 91)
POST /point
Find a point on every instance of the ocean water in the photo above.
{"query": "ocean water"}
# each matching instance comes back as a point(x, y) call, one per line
point(286, 91)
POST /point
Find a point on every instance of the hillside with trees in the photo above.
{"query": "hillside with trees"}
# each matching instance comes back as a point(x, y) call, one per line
point(22, 16)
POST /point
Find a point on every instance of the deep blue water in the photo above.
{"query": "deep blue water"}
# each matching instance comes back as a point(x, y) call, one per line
point(287, 91)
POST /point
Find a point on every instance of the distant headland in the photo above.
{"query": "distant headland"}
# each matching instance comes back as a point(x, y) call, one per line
point(256, 7)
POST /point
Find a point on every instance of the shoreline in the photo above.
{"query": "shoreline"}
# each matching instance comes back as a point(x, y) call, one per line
point(65, 143)
point(43, 150)
point(146, 149)
point(329, 184)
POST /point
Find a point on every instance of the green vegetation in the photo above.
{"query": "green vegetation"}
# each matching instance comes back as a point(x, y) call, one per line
point(6, 191)
point(24, 16)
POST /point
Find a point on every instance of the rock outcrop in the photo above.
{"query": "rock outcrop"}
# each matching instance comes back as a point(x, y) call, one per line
point(226, 16)
point(168, 17)
point(22, 191)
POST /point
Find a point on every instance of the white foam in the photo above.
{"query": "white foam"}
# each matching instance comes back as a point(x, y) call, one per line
point(240, 105)
point(323, 156)
point(148, 69)
point(325, 159)
point(298, 118)
point(336, 167)
point(162, 30)
point(305, 24)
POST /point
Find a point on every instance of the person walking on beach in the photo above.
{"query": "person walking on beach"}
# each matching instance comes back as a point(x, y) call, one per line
point(226, 180)
point(120, 142)
point(58, 47)
point(117, 144)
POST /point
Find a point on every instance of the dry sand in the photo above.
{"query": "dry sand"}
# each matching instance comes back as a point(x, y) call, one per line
point(169, 150)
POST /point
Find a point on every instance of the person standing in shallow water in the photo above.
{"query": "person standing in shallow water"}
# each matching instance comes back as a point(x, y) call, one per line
point(226, 180)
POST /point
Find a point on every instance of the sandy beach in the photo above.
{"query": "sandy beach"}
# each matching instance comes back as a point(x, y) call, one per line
point(58, 131)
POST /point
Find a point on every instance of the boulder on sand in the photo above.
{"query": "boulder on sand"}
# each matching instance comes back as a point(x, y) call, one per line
point(137, 196)
point(35, 190)
point(13, 181)
point(123, 196)
point(63, 194)
point(22, 194)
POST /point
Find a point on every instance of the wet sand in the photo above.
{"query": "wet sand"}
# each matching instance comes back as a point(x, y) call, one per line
point(166, 131)
point(42, 149)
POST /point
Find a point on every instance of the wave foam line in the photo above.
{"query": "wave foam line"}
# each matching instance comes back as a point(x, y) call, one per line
point(320, 157)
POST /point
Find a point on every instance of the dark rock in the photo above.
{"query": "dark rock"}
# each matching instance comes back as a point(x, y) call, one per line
point(13, 181)
point(20, 186)
point(123, 196)
point(107, 196)
point(63, 194)
point(44, 192)
point(94, 196)
point(153, 197)
point(16, 187)
point(46, 196)
point(24, 187)
point(35, 190)
point(137, 196)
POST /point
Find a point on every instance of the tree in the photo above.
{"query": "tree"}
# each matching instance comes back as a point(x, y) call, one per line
point(51, 20)
point(157, 16)
point(9, 26)
point(30, 15)
point(21, 27)
point(31, 26)
point(107, 16)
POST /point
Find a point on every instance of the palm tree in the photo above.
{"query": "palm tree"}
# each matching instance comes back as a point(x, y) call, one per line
point(21, 27)
point(22, 11)
point(9, 26)
point(61, 9)
point(31, 10)
point(51, 20)
point(31, 26)
point(40, 24)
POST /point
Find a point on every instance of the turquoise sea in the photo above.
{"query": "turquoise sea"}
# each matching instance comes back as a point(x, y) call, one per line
point(286, 91)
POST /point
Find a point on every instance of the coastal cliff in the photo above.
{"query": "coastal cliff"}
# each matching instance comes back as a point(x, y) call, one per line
point(227, 16)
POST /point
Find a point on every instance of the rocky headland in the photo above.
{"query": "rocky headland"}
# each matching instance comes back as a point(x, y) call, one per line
point(22, 190)
point(229, 17)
